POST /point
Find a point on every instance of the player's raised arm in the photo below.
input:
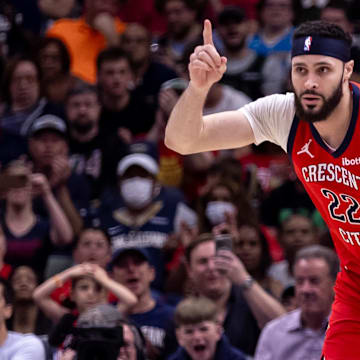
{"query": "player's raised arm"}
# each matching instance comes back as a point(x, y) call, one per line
point(187, 131)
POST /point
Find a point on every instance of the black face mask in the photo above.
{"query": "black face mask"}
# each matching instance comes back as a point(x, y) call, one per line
point(82, 128)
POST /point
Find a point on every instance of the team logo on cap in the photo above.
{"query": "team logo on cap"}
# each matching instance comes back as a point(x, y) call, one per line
point(307, 43)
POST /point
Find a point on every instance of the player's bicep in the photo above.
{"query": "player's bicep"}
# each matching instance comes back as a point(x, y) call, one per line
point(226, 130)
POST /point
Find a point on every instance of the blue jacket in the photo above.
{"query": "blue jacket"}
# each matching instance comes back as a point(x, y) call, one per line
point(224, 351)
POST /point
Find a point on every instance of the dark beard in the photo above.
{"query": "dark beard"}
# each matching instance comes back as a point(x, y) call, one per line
point(327, 108)
point(235, 47)
point(82, 128)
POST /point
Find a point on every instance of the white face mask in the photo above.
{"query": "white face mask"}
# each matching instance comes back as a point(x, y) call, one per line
point(137, 192)
point(216, 211)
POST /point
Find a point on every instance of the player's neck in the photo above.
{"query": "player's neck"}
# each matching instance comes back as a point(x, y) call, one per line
point(333, 130)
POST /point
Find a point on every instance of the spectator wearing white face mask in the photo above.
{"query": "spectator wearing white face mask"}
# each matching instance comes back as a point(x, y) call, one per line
point(143, 213)
point(224, 203)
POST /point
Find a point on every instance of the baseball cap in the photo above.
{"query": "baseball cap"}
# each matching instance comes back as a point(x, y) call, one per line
point(143, 154)
point(48, 122)
point(134, 250)
point(231, 15)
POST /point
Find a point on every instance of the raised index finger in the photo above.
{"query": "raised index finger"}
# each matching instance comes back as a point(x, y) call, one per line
point(207, 33)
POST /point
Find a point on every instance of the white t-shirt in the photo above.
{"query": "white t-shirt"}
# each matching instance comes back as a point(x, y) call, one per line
point(271, 117)
point(231, 100)
point(22, 347)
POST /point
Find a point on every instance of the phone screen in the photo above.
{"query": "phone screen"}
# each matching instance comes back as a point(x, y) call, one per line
point(223, 242)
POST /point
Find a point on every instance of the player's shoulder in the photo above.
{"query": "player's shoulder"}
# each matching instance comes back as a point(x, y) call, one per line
point(279, 99)
point(275, 105)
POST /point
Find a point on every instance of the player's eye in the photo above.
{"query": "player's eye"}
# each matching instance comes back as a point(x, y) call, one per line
point(300, 70)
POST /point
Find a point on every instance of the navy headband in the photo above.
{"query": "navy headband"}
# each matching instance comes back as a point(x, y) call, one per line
point(317, 45)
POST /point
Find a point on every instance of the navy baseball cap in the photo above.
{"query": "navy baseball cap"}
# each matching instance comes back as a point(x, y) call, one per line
point(143, 154)
point(131, 250)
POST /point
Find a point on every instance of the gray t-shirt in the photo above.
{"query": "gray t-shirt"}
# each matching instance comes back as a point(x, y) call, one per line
point(22, 347)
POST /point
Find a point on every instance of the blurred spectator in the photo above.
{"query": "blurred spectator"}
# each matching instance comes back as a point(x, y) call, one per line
point(252, 248)
point(132, 268)
point(15, 346)
point(296, 232)
point(22, 95)
point(244, 307)
point(199, 332)
point(143, 213)
point(143, 12)
point(27, 235)
point(276, 27)
point(48, 148)
point(300, 334)
point(273, 40)
point(244, 65)
point(149, 74)
point(5, 269)
point(287, 198)
point(89, 286)
point(224, 202)
point(54, 61)
point(340, 13)
point(86, 36)
point(92, 246)
point(14, 39)
point(26, 316)
point(288, 298)
point(90, 154)
point(182, 29)
point(55, 9)
point(123, 112)
point(129, 346)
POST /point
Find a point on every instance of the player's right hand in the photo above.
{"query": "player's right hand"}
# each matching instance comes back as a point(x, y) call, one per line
point(206, 65)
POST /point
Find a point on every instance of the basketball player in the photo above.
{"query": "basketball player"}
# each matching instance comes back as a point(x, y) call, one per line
point(318, 124)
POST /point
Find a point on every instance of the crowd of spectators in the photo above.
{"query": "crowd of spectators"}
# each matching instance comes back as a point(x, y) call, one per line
point(114, 247)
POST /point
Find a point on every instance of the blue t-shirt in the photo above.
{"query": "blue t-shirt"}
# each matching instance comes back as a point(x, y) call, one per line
point(156, 323)
point(258, 44)
point(151, 232)
point(31, 248)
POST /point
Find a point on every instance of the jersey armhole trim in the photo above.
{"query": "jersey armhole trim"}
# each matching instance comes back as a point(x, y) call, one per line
point(291, 138)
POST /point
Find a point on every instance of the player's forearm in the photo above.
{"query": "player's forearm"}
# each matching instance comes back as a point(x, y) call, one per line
point(186, 121)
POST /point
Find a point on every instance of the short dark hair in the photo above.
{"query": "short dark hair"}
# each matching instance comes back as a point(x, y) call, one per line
point(64, 53)
point(76, 279)
point(7, 291)
point(92, 228)
point(111, 54)
point(320, 252)
point(323, 29)
point(194, 310)
point(203, 238)
point(81, 87)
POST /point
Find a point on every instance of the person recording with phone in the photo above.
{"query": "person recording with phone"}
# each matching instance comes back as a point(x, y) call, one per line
point(217, 273)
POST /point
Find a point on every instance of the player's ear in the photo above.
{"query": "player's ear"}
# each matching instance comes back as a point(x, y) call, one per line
point(348, 70)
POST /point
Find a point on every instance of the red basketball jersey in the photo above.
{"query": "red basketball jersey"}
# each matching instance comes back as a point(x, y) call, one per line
point(332, 179)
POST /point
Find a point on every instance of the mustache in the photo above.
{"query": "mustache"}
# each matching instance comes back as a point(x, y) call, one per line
point(311, 92)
